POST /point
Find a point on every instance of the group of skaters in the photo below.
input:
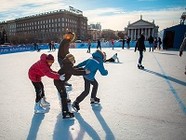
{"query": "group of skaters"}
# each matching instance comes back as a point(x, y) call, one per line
point(86, 68)
point(66, 60)
point(51, 45)
point(154, 43)
point(140, 46)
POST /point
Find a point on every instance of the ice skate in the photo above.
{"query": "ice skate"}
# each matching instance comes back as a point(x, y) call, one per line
point(140, 66)
point(38, 109)
point(44, 103)
point(67, 114)
point(75, 106)
point(94, 100)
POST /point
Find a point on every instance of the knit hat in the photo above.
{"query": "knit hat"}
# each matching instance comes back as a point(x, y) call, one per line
point(70, 57)
point(50, 57)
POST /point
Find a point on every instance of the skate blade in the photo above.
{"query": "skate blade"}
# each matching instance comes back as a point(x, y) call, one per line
point(76, 110)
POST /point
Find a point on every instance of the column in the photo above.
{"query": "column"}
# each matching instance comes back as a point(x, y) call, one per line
point(146, 35)
point(134, 37)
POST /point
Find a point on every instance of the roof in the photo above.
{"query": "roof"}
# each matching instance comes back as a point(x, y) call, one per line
point(141, 22)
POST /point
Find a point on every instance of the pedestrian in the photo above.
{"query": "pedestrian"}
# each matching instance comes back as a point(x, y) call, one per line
point(89, 45)
point(113, 58)
point(37, 70)
point(36, 47)
point(69, 70)
point(155, 43)
point(150, 40)
point(123, 43)
point(93, 65)
point(159, 43)
point(182, 48)
point(64, 49)
point(99, 44)
point(53, 46)
point(140, 46)
point(112, 43)
point(50, 46)
point(128, 42)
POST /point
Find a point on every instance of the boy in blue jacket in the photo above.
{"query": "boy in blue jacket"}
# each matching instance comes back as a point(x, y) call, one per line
point(92, 64)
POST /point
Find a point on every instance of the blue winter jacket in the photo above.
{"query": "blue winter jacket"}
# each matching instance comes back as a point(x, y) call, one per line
point(93, 64)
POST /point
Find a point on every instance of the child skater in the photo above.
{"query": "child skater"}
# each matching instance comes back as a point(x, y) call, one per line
point(93, 64)
point(37, 70)
point(113, 58)
point(64, 49)
point(68, 70)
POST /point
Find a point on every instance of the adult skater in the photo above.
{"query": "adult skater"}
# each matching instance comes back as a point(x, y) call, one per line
point(113, 58)
point(182, 48)
point(93, 64)
point(64, 49)
point(140, 46)
point(37, 70)
point(69, 70)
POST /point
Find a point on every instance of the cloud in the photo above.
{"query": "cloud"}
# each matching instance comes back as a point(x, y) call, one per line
point(16, 8)
point(110, 18)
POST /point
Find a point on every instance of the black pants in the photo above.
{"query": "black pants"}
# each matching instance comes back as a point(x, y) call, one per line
point(110, 60)
point(140, 57)
point(86, 91)
point(60, 85)
point(39, 89)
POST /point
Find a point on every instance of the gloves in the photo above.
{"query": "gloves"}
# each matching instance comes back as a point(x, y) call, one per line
point(62, 77)
point(87, 71)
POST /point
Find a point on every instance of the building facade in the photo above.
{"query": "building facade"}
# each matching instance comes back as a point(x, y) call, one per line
point(47, 26)
point(141, 26)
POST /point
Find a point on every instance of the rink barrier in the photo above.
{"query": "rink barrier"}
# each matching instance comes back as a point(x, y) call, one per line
point(24, 48)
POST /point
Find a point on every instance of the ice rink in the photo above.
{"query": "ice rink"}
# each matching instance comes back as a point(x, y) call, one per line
point(147, 104)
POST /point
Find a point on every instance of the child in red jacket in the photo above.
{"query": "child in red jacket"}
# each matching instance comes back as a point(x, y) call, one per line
point(37, 70)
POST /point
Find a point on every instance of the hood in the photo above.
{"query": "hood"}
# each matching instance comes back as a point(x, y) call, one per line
point(43, 57)
point(98, 55)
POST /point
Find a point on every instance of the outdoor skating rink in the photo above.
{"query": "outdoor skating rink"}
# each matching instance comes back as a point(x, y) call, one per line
point(147, 104)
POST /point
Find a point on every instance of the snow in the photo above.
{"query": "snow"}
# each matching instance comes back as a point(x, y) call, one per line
point(135, 104)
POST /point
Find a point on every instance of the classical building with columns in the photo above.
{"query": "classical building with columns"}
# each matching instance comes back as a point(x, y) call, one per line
point(141, 26)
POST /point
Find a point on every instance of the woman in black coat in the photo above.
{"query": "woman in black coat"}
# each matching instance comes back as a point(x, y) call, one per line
point(140, 46)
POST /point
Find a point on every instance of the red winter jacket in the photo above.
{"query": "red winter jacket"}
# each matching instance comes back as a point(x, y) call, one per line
point(40, 69)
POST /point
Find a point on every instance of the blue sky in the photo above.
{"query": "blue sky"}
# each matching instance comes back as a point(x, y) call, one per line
point(112, 14)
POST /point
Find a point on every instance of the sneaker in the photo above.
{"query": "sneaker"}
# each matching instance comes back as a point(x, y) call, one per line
point(44, 103)
point(94, 100)
point(38, 109)
point(67, 114)
point(75, 106)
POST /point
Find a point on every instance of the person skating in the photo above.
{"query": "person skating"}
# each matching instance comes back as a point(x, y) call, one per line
point(92, 64)
point(113, 58)
point(89, 46)
point(150, 40)
point(182, 48)
point(140, 46)
point(68, 69)
point(64, 49)
point(36, 71)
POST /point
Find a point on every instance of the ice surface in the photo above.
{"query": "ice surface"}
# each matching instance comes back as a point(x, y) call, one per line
point(135, 104)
